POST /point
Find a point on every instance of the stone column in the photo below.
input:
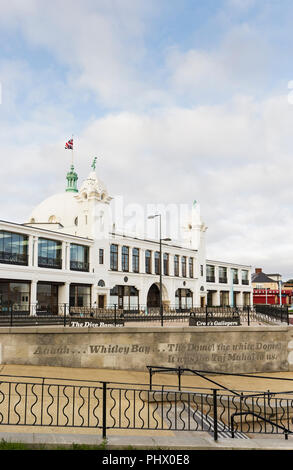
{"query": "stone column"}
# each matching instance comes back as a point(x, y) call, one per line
point(33, 298)
point(30, 250)
point(35, 251)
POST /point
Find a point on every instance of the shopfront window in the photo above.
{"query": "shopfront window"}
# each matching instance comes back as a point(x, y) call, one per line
point(183, 299)
point(80, 295)
point(15, 295)
point(124, 297)
point(47, 298)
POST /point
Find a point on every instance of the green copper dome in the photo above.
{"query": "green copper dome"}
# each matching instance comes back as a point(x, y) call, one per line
point(72, 181)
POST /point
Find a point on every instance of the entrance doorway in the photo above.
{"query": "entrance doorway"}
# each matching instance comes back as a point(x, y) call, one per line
point(101, 301)
point(153, 298)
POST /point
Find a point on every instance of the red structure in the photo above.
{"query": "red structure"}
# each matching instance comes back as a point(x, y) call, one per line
point(272, 296)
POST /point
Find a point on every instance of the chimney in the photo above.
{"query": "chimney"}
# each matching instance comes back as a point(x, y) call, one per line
point(258, 270)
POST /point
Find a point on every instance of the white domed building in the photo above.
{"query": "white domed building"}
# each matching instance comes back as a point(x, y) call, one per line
point(68, 253)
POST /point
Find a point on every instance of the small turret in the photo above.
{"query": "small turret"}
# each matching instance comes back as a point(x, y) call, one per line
point(72, 181)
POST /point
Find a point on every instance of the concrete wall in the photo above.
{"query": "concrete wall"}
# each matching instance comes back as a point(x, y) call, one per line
point(232, 349)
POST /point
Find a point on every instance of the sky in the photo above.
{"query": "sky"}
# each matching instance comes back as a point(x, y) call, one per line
point(179, 100)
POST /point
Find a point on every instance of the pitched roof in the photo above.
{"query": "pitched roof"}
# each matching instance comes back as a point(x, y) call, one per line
point(261, 277)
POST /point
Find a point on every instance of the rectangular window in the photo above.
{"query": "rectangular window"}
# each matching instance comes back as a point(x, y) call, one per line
point(101, 256)
point(235, 275)
point(148, 262)
point(135, 260)
point(15, 295)
point(166, 264)
point(13, 248)
point(183, 266)
point(191, 267)
point(201, 269)
point(157, 262)
point(125, 258)
point(114, 257)
point(49, 253)
point(223, 275)
point(79, 258)
point(80, 295)
point(210, 275)
point(245, 280)
point(176, 265)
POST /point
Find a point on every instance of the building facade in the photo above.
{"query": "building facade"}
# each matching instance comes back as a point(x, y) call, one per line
point(65, 254)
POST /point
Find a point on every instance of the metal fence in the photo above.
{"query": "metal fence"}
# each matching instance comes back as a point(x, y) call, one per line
point(104, 406)
point(65, 315)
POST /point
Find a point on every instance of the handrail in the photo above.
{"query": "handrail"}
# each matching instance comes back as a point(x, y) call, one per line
point(241, 413)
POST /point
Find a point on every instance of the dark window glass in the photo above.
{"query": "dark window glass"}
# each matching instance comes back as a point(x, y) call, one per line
point(176, 265)
point(79, 258)
point(223, 275)
point(190, 267)
point(183, 266)
point(148, 262)
point(125, 258)
point(101, 256)
point(210, 274)
point(13, 248)
point(49, 253)
point(80, 296)
point(157, 262)
point(166, 264)
point(114, 257)
point(135, 260)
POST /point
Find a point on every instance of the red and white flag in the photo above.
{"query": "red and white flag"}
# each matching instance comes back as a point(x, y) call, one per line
point(69, 145)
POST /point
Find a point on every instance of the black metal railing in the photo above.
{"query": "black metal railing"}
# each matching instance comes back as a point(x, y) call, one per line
point(13, 258)
point(71, 403)
point(273, 313)
point(79, 266)
point(21, 314)
point(53, 263)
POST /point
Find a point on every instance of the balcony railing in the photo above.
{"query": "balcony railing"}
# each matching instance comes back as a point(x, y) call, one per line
point(13, 258)
point(235, 280)
point(79, 266)
point(210, 278)
point(223, 280)
point(52, 263)
point(245, 282)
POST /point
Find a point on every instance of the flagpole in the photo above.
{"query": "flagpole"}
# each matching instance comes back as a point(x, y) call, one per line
point(72, 152)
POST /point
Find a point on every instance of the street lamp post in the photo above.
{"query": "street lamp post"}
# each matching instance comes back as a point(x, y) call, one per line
point(160, 269)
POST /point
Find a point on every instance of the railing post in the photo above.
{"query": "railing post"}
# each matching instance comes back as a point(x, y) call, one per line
point(248, 315)
point(64, 314)
point(104, 410)
point(11, 314)
point(115, 315)
point(215, 405)
point(206, 315)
